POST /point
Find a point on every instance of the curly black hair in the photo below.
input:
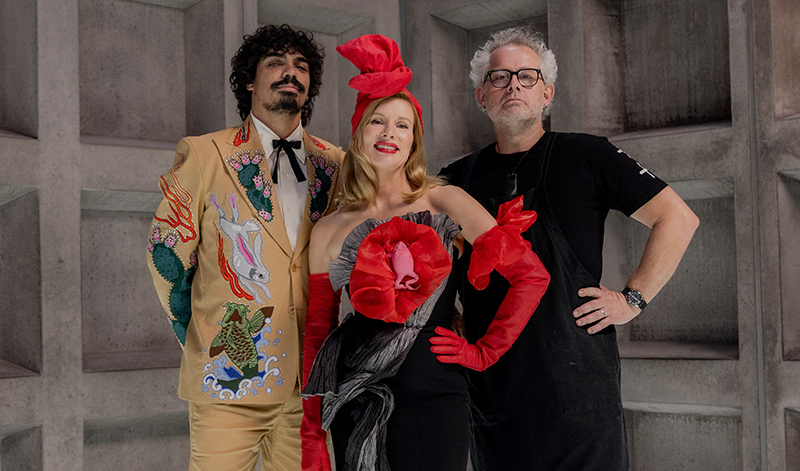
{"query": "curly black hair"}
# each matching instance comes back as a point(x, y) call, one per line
point(275, 39)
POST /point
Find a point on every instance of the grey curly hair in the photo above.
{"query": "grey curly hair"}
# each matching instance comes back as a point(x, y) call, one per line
point(518, 36)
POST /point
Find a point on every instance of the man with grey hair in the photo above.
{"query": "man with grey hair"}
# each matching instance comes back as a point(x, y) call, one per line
point(553, 402)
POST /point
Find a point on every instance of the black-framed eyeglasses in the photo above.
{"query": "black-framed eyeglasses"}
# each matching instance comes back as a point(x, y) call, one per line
point(500, 78)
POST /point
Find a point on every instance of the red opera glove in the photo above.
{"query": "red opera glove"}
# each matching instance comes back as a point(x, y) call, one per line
point(321, 318)
point(502, 249)
point(399, 265)
point(315, 451)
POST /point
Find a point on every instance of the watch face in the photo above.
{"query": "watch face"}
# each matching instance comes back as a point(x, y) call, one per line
point(633, 297)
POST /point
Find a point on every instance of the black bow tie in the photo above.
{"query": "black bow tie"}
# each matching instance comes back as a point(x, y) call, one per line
point(286, 146)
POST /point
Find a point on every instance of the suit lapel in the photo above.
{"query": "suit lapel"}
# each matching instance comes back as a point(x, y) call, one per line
point(245, 160)
point(321, 172)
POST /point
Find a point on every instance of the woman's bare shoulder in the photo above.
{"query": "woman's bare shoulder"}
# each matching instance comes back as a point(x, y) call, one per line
point(448, 198)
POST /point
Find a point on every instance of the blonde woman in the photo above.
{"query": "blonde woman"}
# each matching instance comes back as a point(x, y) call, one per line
point(389, 381)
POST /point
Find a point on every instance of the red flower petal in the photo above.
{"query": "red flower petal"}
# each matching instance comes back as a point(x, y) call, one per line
point(372, 291)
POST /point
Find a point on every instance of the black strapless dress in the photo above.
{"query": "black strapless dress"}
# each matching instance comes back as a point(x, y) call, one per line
point(389, 403)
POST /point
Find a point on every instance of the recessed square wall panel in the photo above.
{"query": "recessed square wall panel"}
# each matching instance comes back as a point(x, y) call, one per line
point(603, 69)
point(179, 4)
point(785, 53)
point(317, 18)
point(696, 314)
point(20, 282)
point(132, 75)
point(492, 14)
point(124, 326)
point(205, 63)
point(694, 440)
point(792, 420)
point(699, 303)
point(18, 68)
point(788, 230)
point(676, 63)
point(21, 448)
point(155, 441)
point(450, 58)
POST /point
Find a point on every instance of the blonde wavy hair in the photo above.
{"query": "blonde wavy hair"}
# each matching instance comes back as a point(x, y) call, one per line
point(358, 180)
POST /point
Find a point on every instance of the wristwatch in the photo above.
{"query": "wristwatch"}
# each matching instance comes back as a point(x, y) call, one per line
point(634, 298)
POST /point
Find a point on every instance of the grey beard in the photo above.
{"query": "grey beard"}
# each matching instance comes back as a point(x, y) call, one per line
point(513, 126)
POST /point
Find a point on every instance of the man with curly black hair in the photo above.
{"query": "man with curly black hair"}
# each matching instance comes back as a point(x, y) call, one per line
point(228, 251)
point(276, 41)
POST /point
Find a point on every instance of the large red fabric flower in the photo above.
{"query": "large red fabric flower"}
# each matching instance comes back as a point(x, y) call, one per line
point(501, 243)
point(373, 280)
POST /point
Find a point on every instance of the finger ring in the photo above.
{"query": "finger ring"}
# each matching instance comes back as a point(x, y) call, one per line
point(602, 313)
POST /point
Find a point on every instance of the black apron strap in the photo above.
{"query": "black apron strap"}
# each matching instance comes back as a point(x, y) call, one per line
point(544, 163)
point(469, 166)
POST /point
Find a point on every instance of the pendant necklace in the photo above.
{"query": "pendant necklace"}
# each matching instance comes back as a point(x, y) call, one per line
point(510, 185)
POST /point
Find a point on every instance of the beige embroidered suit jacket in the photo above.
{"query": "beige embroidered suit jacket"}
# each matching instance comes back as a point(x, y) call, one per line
point(234, 290)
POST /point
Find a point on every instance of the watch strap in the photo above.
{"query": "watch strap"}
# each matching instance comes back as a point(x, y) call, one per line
point(634, 298)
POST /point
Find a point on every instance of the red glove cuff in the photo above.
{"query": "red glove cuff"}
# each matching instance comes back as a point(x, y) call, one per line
point(322, 317)
point(314, 450)
point(502, 244)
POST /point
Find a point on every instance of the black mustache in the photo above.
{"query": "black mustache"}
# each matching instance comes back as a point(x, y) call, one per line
point(287, 80)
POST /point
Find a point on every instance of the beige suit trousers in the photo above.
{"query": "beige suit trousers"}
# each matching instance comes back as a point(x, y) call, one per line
point(229, 437)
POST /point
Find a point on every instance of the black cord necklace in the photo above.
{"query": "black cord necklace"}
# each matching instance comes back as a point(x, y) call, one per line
point(510, 185)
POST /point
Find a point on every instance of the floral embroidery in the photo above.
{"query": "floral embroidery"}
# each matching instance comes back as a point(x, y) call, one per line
point(422, 260)
point(169, 265)
point(320, 185)
point(253, 179)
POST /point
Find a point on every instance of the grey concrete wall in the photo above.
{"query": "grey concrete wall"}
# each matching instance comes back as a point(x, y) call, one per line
point(703, 93)
point(690, 81)
point(18, 71)
point(206, 67)
point(711, 440)
point(20, 281)
point(789, 227)
point(133, 79)
point(699, 303)
point(786, 50)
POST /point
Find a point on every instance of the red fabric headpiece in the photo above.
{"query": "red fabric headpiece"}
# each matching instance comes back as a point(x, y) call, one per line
point(382, 72)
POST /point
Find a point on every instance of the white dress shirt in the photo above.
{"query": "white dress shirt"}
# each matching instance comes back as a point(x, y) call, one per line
point(290, 193)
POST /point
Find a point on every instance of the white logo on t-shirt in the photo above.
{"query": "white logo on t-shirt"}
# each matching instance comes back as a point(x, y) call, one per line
point(641, 172)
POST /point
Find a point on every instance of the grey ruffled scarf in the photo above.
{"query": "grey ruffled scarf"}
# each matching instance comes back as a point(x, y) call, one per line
point(352, 363)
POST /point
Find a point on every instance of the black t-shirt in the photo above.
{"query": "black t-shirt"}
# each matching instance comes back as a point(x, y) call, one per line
point(586, 177)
